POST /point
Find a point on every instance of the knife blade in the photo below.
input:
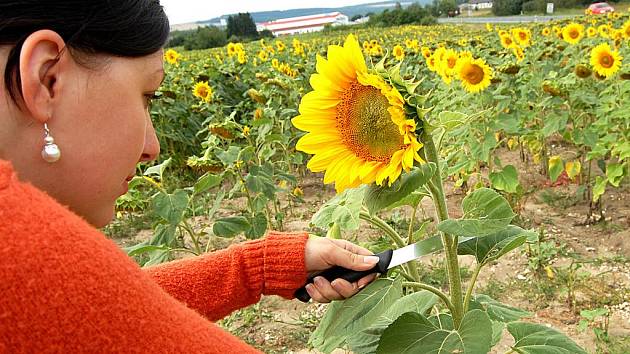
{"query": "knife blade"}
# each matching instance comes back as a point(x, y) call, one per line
point(387, 259)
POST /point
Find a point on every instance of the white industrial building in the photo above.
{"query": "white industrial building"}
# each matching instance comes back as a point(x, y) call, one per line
point(303, 24)
point(476, 5)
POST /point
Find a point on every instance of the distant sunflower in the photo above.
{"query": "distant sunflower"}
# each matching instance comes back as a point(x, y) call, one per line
point(604, 31)
point(604, 60)
point(446, 67)
point(399, 52)
point(582, 71)
point(356, 123)
point(203, 91)
point(426, 52)
point(171, 56)
point(231, 49)
point(507, 42)
point(263, 55)
point(475, 74)
point(522, 36)
point(591, 32)
point(573, 33)
point(432, 62)
point(546, 31)
point(625, 29)
point(518, 53)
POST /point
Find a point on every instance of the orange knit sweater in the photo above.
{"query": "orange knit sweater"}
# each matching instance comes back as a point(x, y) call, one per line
point(66, 288)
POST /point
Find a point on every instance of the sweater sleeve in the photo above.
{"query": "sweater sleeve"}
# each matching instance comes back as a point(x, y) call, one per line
point(66, 288)
point(241, 273)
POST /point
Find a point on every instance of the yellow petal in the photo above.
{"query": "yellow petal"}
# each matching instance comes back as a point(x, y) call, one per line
point(310, 123)
point(312, 143)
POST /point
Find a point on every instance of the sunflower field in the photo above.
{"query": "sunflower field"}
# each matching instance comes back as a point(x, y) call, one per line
point(482, 135)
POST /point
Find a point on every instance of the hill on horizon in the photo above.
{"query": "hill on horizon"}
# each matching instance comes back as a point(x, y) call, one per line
point(350, 11)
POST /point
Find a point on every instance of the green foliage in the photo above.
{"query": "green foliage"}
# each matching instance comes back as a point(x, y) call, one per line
point(485, 212)
point(380, 197)
point(342, 210)
point(205, 37)
point(539, 339)
point(412, 14)
point(346, 318)
point(414, 333)
point(241, 25)
point(507, 7)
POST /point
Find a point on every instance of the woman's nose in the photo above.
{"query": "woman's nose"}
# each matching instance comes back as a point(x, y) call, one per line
point(151, 148)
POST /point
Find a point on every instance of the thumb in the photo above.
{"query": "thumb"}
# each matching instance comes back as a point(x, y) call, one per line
point(347, 259)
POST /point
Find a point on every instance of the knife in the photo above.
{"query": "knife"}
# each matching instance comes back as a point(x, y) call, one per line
point(387, 259)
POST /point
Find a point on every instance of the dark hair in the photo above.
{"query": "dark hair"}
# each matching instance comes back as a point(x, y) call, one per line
point(124, 28)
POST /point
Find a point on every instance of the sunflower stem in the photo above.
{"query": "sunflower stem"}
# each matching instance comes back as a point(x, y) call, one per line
point(413, 267)
point(450, 242)
point(471, 287)
point(436, 291)
point(381, 224)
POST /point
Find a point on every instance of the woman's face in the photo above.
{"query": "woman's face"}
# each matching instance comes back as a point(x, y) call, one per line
point(99, 119)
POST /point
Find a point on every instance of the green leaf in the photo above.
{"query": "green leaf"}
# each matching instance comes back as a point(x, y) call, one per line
point(258, 226)
point(554, 124)
point(229, 156)
point(143, 248)
point(411, 200)
point(414, 333)
point(380, 197)
point(499, 311)
point(171, 207)
point(492, 247)
point(230, 226)
point(451, 120)
point(343, 209)
point(367, 340)
point(345, 318)
point(599, 188)
point(485, 212)
point(505, 180)
point(158, 170)
point(533, 338)
point(614, 173)
point(206, 182)
point(497, 332)
point(556, 166)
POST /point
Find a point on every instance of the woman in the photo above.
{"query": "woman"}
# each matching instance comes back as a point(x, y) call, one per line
point(77, 80)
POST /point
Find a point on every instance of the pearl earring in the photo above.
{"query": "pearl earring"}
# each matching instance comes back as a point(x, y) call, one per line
point(51, 152)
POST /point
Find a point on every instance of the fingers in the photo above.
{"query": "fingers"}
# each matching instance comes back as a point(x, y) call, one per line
point(349, 246)
point(341, 256)
point(324, 291)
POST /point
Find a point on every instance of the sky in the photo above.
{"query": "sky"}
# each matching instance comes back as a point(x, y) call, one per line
point(183, 11)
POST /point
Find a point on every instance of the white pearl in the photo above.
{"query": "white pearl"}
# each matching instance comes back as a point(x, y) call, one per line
point(51, 153)
point(49, 140)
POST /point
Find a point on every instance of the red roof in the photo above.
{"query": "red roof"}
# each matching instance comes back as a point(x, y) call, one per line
point(300, 19)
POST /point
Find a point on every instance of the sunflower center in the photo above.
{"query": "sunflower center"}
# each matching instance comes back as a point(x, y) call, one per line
point(574, 34)
point(365, 124)
point(523, 36)
point(473, 74)
point(606, 60)
point(451, 62)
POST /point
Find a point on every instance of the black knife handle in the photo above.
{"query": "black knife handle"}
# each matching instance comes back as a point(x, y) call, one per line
point(333, 273)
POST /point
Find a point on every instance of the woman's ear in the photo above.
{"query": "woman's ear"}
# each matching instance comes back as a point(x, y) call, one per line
point(39, 72)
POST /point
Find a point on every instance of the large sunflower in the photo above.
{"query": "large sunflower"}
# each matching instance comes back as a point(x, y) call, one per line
point(475, 74)
point(356, 123)
point(573, 33)
point(605, 61)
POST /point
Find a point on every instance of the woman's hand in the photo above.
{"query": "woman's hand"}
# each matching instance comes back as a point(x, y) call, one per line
point(322, 253)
